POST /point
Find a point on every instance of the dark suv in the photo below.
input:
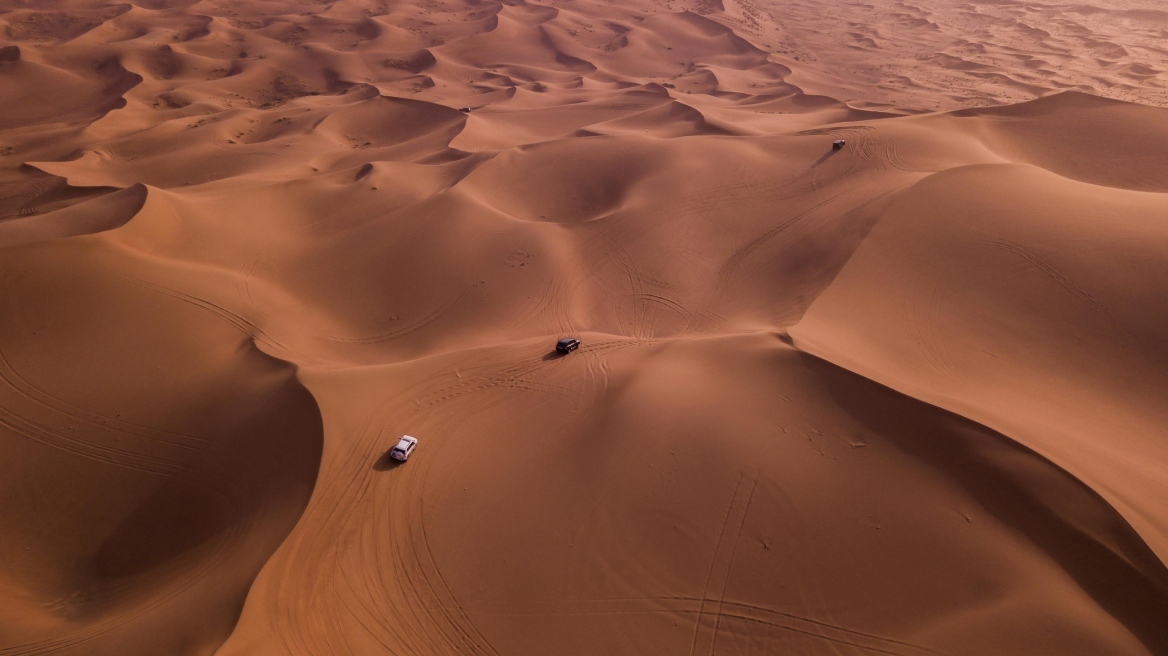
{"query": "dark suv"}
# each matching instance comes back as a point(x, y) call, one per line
point(567, 345)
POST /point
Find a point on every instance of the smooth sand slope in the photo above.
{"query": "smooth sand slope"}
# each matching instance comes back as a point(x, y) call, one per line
point(900, 398)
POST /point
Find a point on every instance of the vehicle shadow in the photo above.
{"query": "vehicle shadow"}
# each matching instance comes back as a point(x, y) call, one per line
point(385, 463)
point(554, 355)
point(826, 156)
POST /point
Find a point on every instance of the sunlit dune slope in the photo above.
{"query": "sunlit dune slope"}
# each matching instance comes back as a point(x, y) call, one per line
point(899, 397)
point(722, 494)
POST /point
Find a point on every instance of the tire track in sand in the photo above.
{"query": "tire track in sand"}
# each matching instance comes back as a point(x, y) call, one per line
point(718, 576)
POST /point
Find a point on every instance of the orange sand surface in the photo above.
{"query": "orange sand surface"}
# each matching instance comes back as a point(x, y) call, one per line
point(906, 397)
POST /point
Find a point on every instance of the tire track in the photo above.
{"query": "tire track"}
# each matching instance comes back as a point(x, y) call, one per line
point(56, 439)
point(736, 610)
point(408, 604)
point(408, 329)
point(728, 269)
point(240, 323)
point(730, 566)
point(737, 260)
point(28, 200)
point(718, 575)
point(40, 397)
point(385, 336)
point(1063, 281)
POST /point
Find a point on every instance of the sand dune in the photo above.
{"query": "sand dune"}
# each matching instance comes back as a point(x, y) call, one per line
point(904, 397)
point(946, 55)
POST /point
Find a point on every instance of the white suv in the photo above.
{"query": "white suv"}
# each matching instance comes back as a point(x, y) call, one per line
point(405, 446)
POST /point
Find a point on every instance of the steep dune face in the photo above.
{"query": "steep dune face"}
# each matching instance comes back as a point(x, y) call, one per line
point(987, 302)
point(70, 210)
point(901, 397)
point(154, 458)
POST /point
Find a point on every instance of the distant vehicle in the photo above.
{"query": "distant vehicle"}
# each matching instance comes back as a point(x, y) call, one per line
point(837, 144)
point(567, 345)
point(464, 110)
point(405, 446)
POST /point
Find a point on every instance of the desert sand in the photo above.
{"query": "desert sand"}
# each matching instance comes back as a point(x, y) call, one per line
point(906, 397)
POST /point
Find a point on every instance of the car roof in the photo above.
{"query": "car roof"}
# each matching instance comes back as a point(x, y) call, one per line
point(567, 340)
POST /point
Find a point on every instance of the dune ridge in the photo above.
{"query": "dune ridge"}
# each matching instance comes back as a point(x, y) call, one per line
point(903, 397)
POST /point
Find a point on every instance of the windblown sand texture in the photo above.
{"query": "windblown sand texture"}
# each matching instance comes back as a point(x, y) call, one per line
point(902, 398)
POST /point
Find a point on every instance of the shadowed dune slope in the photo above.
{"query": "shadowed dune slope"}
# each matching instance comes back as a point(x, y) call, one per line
point(996, 297)
point(901, 397)
point(144, 478)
